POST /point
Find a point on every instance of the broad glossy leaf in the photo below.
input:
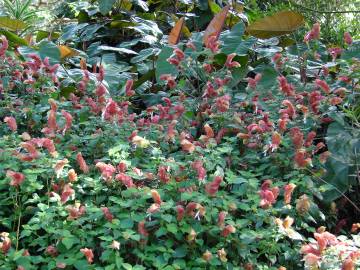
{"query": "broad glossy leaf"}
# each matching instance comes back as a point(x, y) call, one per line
point(144, 54)
point(233, 42)
point(141, 4)
point(281, 23)
point(51, 50)
point(215, 8)
point(215, 26)
point(11, 24)
point(66, 52)
point(115, 49)
point(14, 38)
point(175, 33)
point(105, 6)
point(352, 51)
point(163, 66)
point(45, 34)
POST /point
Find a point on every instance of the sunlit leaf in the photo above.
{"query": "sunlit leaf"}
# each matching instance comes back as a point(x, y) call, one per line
point(15, 39)
point(11, 24)
point(286, 42)
point(141, 4)
point(45, 34)
point(66, 52)
point(215, 8)
point(175, 33)
point(281, 23)
point(216, 24)
point(115, 49)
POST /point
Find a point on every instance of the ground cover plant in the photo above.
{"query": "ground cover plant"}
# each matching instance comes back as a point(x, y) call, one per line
point(242, 155)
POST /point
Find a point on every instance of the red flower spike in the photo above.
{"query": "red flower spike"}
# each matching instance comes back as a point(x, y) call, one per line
point(323, 85)
point(52, 251)
point(67, 193)
point(125, 180)
point(230, 63)
point(313, 34)
point(173, 61)
point(128, 88)
point(82, 164)
point(11, 122)
point(223, 103)
point(228, 230)
point(4, 46)
point(213, 187)
point(142, 230)
point(310, 138)
point(156, 196)
point(122, 167)
point(208, 68)
point(107, 214)
point(301, 158)
point(268, 195)
point(221, 219)
point(101, 75)
point(347, 38)
point(288, 190)
point(68, 120)
point(16, 178)
point(179, 54)
point(348, 264)
point(163, 175)
point(88, 254)
point(180, 212)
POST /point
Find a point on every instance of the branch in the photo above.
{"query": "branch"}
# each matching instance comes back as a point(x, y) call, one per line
point(324, 12)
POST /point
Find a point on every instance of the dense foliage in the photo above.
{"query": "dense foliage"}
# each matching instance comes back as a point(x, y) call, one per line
point(221, 152)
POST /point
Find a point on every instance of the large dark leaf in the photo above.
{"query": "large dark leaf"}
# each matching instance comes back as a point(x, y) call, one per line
point(344, 145)
point(105, 6)
point(215, 26)
point(51, 50)
point(281, 23)
point(11, 24)
point(352, 51)
point(175, 33)
point(233, 42)
point(163, 66)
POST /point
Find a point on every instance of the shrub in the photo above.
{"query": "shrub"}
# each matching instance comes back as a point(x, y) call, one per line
point(219, 174)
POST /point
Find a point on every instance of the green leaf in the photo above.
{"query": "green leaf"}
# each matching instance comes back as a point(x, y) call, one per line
point(11, 24)
point(105, 6)
point(233, 43)
point(49, 49)
point(14, 38)
point(172, 228)
point(127, 266)
point(144, 54)
point(141, 4)
point(126, 223)
point(215, 8)
point(180, 252)
point(68, 242)
point(163, 66)
point(45, 34)
point(115, 49)
point(352, 51)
